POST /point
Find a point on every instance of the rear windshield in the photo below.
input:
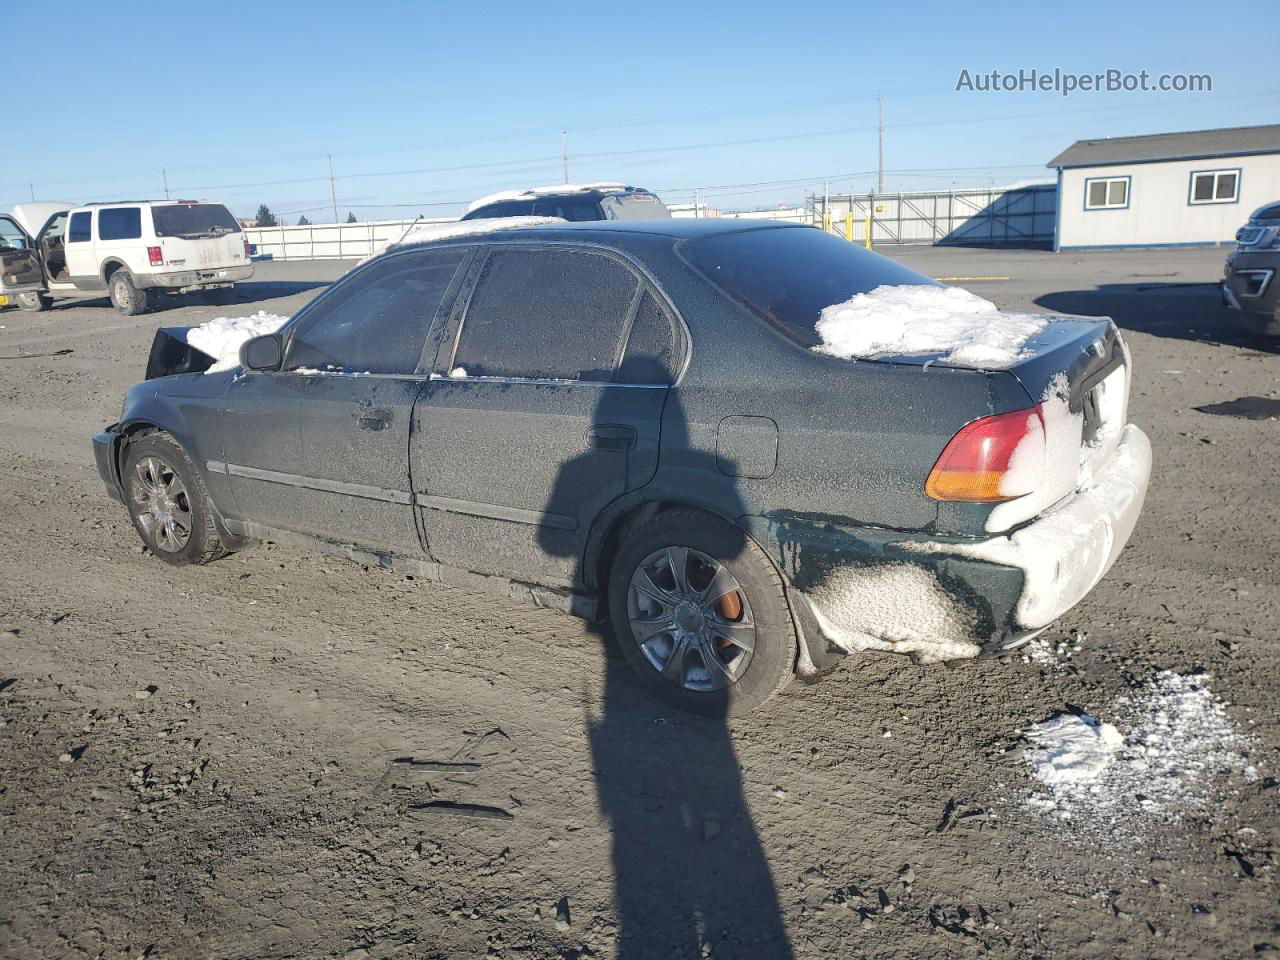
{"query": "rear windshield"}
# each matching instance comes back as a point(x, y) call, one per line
point(194, 220)
point(788, 275)
point(634, 206)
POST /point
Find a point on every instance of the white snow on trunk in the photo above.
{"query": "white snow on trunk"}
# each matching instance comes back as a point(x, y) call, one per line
point(965, 329)
point(425, 232)
point(222, 338)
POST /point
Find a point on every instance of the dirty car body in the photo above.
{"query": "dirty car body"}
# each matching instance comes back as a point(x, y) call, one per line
point(512, 430)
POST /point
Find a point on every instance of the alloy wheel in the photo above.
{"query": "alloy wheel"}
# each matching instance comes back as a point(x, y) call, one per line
point(161, 504)
point(691, 619)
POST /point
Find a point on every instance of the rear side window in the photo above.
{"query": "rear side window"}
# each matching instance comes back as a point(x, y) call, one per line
point(508, 208)
point(568, 208)
point(378, 321)
point(546, 314)
point(788, 275)
point(119, 223)
point(193, 221)
point(655, 348)
point(78, 232)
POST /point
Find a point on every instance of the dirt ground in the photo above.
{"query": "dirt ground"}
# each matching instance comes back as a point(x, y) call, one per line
point(211, 762)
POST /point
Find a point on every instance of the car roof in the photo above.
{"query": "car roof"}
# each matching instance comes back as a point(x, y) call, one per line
point(675, 228)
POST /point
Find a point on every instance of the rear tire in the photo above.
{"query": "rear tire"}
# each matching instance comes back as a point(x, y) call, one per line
point(168, 502)
point(33, 301)
point(716, 640)
point(125, 295)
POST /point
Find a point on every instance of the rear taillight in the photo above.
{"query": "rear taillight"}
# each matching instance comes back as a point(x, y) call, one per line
point(156, 256)
point(991, 459)
point(247, 251)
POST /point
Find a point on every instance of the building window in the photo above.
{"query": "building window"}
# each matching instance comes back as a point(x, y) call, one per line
point(1215, 186)
point(1106, 193)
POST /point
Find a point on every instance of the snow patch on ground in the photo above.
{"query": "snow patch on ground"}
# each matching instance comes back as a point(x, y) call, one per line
point(1177, 748)
point(1071, 749)
point(426, 232)
point(965, 329)
point(222, 337)
point(898, 607)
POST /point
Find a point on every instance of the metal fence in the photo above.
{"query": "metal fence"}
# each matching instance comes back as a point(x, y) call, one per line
point(983, 217)
point(329, 241)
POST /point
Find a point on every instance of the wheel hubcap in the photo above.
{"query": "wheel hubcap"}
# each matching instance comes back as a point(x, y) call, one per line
point(691, 619)
point(161, 504)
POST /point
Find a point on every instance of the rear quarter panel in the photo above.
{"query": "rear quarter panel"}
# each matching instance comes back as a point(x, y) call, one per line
point(856, 440)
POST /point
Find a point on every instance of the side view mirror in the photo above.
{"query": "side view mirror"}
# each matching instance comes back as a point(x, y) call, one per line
point(262, 353)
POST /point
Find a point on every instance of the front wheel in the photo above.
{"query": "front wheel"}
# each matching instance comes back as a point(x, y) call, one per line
point(700, 613)
point(168, 502)
point(125, 295)
point(33, 301)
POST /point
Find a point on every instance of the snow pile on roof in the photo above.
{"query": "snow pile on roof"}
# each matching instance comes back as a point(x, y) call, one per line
point(1179, 745)
point(426, 232)
point(554, 189)
point(965, 329)
point(222, 338)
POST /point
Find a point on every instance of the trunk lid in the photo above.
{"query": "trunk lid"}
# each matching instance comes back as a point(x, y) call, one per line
point(1076, 369)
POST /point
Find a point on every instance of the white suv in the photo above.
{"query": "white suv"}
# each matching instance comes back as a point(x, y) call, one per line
point(135, 251)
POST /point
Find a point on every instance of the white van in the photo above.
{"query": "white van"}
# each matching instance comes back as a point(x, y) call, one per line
point(134, 251)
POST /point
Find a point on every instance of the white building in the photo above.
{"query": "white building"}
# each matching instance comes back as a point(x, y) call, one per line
point(1164, 190)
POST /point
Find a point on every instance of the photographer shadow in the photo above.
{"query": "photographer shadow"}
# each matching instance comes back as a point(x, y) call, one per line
point(690, 874)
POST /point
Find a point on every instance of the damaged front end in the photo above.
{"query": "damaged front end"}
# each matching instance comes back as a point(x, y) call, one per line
point(171, 354)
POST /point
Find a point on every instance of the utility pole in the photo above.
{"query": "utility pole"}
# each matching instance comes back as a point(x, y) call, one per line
point(564, 152)
point(164, 175)
point(333, 190)
point(880, 176)
point(32, 188)
point(696, 191)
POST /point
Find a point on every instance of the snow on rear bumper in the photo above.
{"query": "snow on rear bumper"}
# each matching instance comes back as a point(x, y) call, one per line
point(869, 588)
point(1065, 551)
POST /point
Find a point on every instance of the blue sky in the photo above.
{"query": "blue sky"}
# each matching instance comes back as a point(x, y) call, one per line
point(425, 105)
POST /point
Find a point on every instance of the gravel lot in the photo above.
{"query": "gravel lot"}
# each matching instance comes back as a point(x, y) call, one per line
point(202, 762)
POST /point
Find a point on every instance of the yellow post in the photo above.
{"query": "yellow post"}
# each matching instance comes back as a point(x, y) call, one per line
point(867, 236)
point(848, 225)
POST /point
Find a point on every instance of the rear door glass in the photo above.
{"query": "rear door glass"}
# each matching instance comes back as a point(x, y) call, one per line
point(546, 314)
point(119, 223)
point(655, 347)
point(377, 322)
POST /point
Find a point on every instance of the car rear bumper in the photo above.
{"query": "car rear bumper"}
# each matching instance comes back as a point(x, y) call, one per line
point(183, 280)
point(104, 454)
point(868, 588)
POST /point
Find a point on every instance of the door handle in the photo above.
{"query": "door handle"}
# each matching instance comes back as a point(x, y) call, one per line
point(373, 419)
point(611, 437)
